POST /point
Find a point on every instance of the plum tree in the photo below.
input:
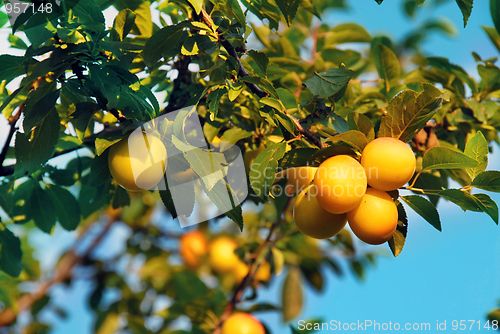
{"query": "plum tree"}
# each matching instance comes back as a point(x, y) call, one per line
point(285, 87)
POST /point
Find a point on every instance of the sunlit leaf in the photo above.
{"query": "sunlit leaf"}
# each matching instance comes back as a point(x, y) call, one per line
point(477, 149)
point(489, 181)
point(329, 82)
point(263, 171)
point(441, 157)
point(409, 111)
point(291, 295)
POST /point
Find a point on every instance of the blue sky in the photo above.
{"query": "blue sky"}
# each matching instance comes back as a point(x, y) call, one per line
point(449, 275)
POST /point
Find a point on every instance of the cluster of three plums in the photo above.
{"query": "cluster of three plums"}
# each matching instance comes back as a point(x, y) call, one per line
point(344, 190)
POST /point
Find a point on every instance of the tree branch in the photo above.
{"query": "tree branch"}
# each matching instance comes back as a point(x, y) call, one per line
point(8, 316)
point(179, 97)
point(252, 270)
point(89, 142)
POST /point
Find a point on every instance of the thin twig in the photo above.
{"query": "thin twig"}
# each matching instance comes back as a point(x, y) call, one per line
point(252, 270)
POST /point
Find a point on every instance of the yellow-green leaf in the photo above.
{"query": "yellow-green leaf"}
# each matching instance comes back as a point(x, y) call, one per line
point(446, 158)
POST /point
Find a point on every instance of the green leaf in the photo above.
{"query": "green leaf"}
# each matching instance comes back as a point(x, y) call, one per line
point(263, 171)
point(10, 253)
point(66, 206)
point(477, 149)
point(361, 123)
point(408, 112)
point(495, 13)
point(99, 170)
point(35, 148)
point(42, 209)
point(487, 205)
point(12, 67)
point(38, 105)
point(262, 83)
point(489, 181)
point(208, 165)
point(441, 157)
point(234, 89)
point(163, 42)
point(260, 58)
point(336, 122)
point(291, 294)
point(398, 239)
point(444, 64)
point(387, 64)
point(461, 198)
point(299, 157)
point(233, 135)
point(101, 144)
point(124, 22)
point(16, 42)
point(329, 82)
point(348, 33)
point(88, 12)
point(354, 138)
point(121, 198)
point(466, 8)
point(166, 198)
point(83, 114)
point(107, 323)
point(197, 5)
point(190, 48)
point(289, 9)
point(424, 208)
point(493, 35)
point(214, 98)
point(237, 11)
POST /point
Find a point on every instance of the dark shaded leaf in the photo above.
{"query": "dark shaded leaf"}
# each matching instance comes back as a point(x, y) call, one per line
point(35, 148)
point(424, 208)
point(10, 253)
point(397, 241)
point(466, 8)
point(66, 206)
